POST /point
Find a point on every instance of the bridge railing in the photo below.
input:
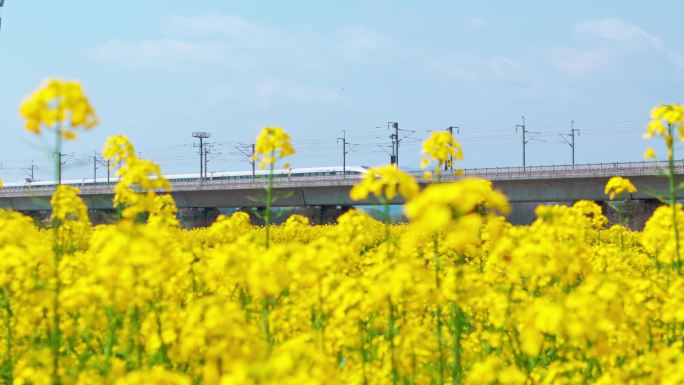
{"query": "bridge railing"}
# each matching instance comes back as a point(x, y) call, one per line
point(493, 173)
point(568, 171)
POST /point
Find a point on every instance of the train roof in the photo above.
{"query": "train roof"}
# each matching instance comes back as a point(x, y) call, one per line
point(171, 177)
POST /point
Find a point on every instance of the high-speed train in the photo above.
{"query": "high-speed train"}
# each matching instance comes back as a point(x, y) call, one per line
point(212, 176)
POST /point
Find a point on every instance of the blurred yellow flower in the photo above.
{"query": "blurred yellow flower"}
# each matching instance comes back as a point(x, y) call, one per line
point(69, 217)
point(666, 119)
point(67, 205)
point(58, 105)
point(139, 179)
point(457, 295)
point(272, 144)
point(440, 205)
point(618, 185)
point(672, 113)
point(441, 147)
point(649, 153)
point(385, 182)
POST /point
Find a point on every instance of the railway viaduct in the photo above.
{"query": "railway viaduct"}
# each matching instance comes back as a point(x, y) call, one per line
point(323, 198)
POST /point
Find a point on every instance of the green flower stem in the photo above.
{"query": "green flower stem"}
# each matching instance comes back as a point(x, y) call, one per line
point(441, 364)
point(671, 179)
point(8, 364)
point(386, 215)
point(56, 335)
point(58, 154)
point(391, 333)
point(457, 318)
point(269, 198)
point(265, 322)
point(110, 340)
point(362, 351)
point(435, 249)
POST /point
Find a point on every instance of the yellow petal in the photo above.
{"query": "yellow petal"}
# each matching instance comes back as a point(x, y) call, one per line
point(69, 135)
point(649, 154)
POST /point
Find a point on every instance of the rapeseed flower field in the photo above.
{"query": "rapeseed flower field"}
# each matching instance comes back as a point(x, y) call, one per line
point(455, 296)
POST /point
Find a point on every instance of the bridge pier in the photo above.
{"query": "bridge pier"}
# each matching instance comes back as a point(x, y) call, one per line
point(522, 213)
point(635, 212)
point(102, 216)
point(328, 214)
point(191, 218)
point(317, 215)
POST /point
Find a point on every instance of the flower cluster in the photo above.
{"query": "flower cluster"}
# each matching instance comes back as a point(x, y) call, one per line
point(272, 144)
point(618, 185)
point(443, 148)
point(385, 183)
point(139, 180)
point(666, 119)
point(456, 295)
point(58, 105)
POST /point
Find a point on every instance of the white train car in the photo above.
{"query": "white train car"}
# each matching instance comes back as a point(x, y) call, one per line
point(218, 176)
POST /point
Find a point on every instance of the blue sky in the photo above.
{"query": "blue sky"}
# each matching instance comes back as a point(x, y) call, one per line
point(158, 70)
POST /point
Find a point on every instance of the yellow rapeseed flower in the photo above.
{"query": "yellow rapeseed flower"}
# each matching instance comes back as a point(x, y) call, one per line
point(442, 204)
point(649, 153)
point(69, 218)
point(667, 120)
point(618, 185)
point(272, 144)
point(458, 295)
point(441, 147)
point(139, 179)
point(67, 205)
point(58, 105)
point(385, 183)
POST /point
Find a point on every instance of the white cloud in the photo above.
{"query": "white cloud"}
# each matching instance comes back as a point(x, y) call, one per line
point(575, 61)
point(359, 42)
point(459, 67)
point(613, 29)
point(161, 53)
point(627, 35)
point(270, 90)
point(265, 93)
point(354, 42)
point(303, 49)
point(235, 28)
point(238, 43)
point(503, 66)
point(474, 23)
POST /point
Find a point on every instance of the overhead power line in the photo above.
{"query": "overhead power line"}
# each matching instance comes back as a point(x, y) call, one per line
point(2, 2)
point(201, 136)
point(571, 142)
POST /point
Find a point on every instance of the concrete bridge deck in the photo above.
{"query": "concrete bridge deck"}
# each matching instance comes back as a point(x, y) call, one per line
point(556, 183)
